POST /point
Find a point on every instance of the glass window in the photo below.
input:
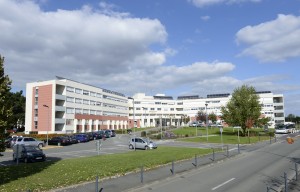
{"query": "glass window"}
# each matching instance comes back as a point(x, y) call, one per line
point(98, 95)
point(79, 101)
point(79, 91)
point(93, 94)
point(70, 99)
point(70, 110)
point(70, 89)
point(69, 121)
point(78, 111)
point(85, 92)
point(85, 111)
point(86, 102)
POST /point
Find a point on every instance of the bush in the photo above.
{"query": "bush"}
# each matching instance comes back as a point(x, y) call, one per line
point(143, 134)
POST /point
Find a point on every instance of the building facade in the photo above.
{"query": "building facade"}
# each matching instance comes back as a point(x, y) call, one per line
point(163, 110)
point(66, 106)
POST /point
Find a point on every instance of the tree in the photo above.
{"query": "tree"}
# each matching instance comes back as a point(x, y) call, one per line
point(201, 116)
point(17, 101)
point(213, 117)
point(5, 108)
point(243, 109)
point(185, 119)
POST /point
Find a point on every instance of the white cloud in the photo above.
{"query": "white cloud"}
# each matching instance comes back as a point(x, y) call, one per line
point(39, 45)
point(203, 3)
point(205, 18)
point(272, 41)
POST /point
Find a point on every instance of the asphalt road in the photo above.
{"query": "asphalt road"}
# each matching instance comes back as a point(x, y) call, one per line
point(252, 172)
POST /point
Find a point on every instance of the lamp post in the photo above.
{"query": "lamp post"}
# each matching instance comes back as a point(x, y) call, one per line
point(206, 122)
point(48, 121)
point(133, 122)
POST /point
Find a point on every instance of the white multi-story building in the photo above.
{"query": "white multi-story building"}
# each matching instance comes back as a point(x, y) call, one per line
point(66, 106)
point(164, 110)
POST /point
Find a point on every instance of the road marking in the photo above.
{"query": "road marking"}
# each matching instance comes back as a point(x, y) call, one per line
point(222, 184)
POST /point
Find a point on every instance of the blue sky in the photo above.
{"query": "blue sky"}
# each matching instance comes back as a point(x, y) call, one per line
point(176, 47)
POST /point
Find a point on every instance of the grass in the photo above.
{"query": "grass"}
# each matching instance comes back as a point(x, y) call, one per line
point(55, 174)
point(229, 135)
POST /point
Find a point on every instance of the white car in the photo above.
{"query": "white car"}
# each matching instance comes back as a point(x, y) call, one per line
point(29, 141)
point(141, 143)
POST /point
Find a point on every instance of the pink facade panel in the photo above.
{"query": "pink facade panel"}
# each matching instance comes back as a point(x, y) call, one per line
point(44, 113)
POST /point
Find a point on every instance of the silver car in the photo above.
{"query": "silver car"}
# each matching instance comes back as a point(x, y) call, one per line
point(29, 141)
point(141, 143)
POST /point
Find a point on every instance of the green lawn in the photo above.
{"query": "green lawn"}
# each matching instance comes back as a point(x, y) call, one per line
point(54, 174)
point(229, 135)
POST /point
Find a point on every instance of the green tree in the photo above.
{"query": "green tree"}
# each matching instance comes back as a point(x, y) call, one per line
point(201, 116)
point(212, 116)
point(17, 101)
point(291, 118)
point(5, 108)
point(243, 109)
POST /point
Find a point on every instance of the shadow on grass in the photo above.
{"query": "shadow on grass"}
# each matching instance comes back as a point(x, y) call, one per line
point(16, 171)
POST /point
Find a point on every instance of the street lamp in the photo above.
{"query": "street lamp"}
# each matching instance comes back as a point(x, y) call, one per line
point(133, 122)
point(206, 122)
point(48, 121)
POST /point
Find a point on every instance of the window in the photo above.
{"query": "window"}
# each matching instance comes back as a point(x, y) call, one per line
point(152, 109)
point(158, 109)
point(70, 110)
point(93, 112)
point(36, 112)
point(85, 111)
point(70, 122)
point(78, 111)
point(98, 112)
point(92, 102)
point(70, 99)
point(86, 102)
point(36, 99)
point(79, 101)
point(70, 89)
point(85, 92)
point(35, 124)
point(93, 94)
point(98, 95)
point(181, 103)
point(172, 109)
point(79, 91)
point(157, 103)
point(138, 108)
point(36, 91)
point(98, 103)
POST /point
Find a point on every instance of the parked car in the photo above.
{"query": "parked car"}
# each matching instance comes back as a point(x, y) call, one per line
point(141, 143)
point(28, 153)
point(61, 140)
point(108, 133)
point(13, 140)
point(82, 138)
point(113, 133)
point(30, 141)
point(72, 139)
point(193, 124)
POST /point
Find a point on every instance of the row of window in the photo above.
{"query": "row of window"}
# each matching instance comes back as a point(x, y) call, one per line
point(70, 110)
point(93, 94)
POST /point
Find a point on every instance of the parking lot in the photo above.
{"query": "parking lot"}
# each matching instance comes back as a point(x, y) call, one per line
point(112, 145)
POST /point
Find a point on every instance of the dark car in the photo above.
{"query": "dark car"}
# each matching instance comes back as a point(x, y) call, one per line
point(28, 153)
point(82, 138)
point(59, 141)
point(113, 133)
point(72, 139)
point(8, 142)
point(107, 133)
